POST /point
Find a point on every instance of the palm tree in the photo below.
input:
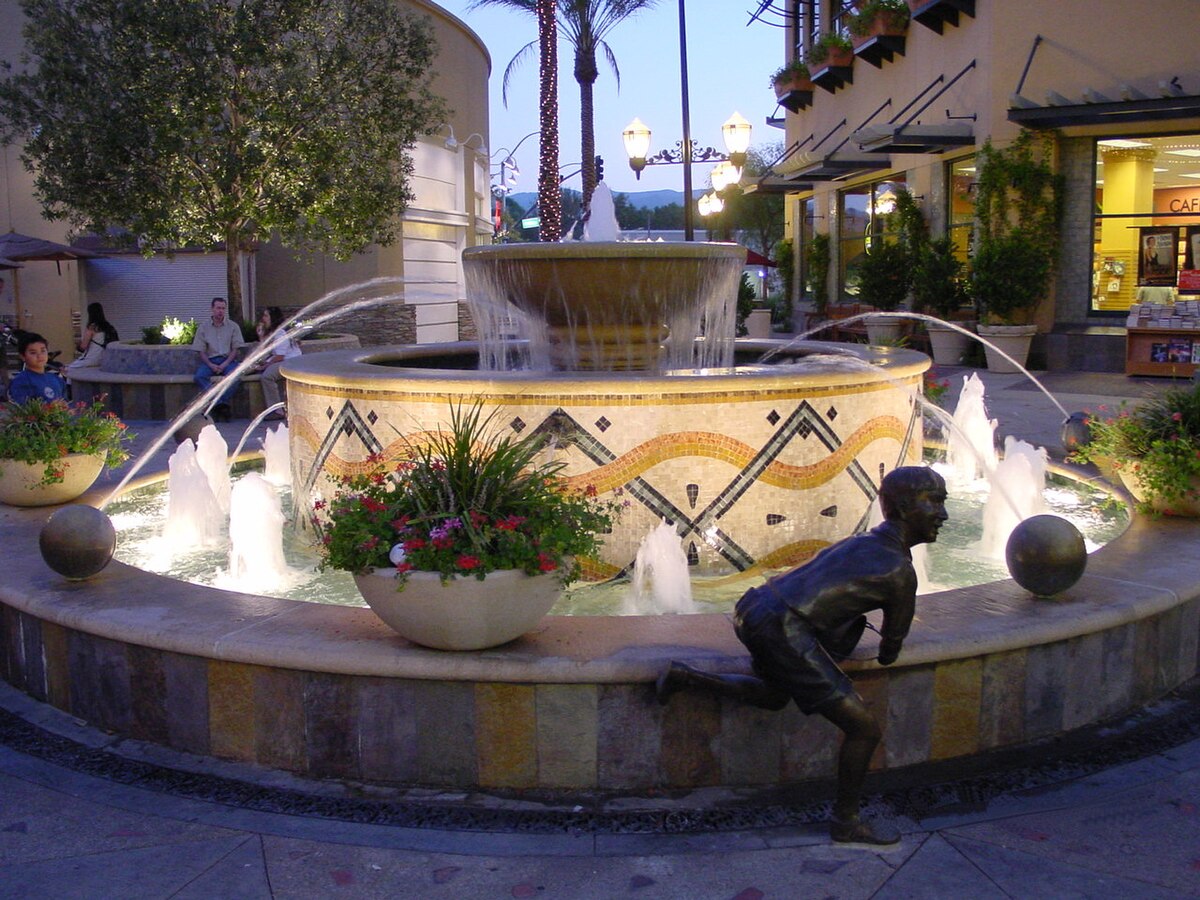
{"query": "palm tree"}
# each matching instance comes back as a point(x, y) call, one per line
point(585, 23)
point(548, 195)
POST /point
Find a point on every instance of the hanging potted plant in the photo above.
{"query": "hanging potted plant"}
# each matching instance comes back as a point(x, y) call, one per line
point(938, 289)
point(52, 452)
point(792, 84)
point(830, 49)
point(879, 17)
point(1018, 212)
point(468, 541)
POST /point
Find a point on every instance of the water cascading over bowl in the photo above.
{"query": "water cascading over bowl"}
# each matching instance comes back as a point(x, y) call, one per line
point(609, 306)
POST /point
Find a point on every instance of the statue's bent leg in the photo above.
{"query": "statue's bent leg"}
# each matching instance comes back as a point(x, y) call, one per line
point(862, 736)
point(743, 688)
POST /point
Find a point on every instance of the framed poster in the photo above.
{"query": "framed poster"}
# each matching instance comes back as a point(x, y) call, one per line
point(1156, 258)
point(1191, 247)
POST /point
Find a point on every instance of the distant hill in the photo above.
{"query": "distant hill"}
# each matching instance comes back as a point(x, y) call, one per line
point(637, 199)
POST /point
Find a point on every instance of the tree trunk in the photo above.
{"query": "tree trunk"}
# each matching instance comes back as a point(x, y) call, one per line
point(549, 198)
point(233, 279)
point(587, 141)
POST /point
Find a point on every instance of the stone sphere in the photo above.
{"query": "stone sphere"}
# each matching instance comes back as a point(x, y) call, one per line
point(78, 541)
point(1075, 432)
point(190, 430)
point(1046, 555)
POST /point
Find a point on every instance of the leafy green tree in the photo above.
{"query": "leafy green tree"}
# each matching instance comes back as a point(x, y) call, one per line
point(200, 122)
point(755, 219)
point(585, 24)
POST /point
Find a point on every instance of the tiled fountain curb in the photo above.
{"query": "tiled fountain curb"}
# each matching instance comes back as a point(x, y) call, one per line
point(329, 692)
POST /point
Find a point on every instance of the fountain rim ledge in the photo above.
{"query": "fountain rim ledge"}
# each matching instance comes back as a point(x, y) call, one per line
point(362, 367)
point(130, 605)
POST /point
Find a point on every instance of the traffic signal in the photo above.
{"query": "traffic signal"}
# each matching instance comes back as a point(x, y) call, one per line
point(599, 169)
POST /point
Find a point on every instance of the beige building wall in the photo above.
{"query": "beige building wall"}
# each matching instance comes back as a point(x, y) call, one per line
point(1097, 45)
point(450, 212)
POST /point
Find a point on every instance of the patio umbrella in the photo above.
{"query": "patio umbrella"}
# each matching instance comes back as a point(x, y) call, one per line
point(8, 263)
point(18, 248)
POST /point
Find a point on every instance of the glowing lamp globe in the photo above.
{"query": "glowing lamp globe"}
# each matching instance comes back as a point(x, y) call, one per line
point(1046, 555)
point(77, 541)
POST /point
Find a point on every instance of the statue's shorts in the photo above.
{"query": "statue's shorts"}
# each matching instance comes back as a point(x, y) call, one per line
point(787, 655)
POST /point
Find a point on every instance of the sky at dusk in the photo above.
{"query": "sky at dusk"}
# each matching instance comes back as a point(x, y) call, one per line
point(729, 64)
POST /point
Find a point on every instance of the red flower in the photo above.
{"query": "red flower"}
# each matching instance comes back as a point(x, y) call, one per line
point(467, 563)
point(400, 524)
point(510, 523)
point(372, 505)
point(478, 519)
point(319, 504)
point(545, 563)
point(404, 567)
point(414, 544)
point(443, 543)
point(1177, 417)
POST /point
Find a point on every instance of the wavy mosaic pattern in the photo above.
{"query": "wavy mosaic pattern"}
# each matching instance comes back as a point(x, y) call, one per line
point(634, 470)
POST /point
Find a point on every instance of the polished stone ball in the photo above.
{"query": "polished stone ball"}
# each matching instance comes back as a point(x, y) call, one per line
point(78, 541)
point(1046, 555)
point(190, 430)
point(1075, 431)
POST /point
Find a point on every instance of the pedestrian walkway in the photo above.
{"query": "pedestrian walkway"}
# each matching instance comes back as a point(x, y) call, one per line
point(1125, 824)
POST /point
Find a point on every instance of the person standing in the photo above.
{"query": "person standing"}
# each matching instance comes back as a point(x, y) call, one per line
point(283, 347)
point(216, 342)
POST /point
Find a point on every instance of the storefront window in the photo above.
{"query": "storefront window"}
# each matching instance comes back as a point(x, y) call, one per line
point(960, 218)
point(1147, 234)
point(863, 218)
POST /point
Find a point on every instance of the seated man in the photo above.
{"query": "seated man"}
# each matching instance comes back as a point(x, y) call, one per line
point(217, 342)
point(796, 625)
point(33, 380)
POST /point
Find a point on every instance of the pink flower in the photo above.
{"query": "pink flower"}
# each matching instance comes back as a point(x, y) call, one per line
point(1177, 417)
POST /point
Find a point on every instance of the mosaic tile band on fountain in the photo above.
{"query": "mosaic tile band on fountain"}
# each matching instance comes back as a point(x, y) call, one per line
point(756, 469)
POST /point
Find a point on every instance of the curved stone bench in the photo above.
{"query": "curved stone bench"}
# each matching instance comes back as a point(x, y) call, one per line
point(154, 381)
point(159, 397)
point(330, 692)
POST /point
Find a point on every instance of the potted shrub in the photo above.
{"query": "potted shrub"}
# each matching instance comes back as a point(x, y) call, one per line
point(938, 289)
point(1018, 211)
point(883, 283)
point(877, 17)
point(467, 542)
point(1154, 449)
point(52, 452)
point(820, 256)
point(830, 49)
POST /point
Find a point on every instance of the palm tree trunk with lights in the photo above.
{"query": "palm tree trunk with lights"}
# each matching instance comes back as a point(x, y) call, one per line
point(549, 198)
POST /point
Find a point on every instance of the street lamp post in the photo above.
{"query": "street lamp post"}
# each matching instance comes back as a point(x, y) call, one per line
point(509, 171)
point(736, 135)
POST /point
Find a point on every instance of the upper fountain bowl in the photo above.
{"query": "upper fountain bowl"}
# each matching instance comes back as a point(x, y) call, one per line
point(615, 305)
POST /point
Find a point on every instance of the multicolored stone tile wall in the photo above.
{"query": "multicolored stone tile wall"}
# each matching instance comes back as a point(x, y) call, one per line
point(610, 736)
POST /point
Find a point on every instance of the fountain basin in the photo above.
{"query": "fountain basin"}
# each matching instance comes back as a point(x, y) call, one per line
point(757, 466)
point(331, 692)
point(610, 305)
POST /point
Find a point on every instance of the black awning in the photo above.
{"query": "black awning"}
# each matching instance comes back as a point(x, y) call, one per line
point(1108, 112)
point(835, 168)
point(914, 138)
point(774, 184)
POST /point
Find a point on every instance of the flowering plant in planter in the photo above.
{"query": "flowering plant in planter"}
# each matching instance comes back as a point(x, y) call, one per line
point(43, 433)
point(1155, 445)
point(465, 502)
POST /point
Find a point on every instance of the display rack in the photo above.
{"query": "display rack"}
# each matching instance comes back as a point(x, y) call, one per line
point(1144, 346)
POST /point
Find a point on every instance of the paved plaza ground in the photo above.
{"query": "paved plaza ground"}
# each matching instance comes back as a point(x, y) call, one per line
point(77, 819)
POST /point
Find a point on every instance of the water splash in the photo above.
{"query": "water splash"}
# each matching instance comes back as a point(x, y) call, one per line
point(601, 224)
point(255, 537)
point(277, 455)
point(661, 583)
point(194, 517)
point(919, 317)
point(970, 445)
point(1020, 477)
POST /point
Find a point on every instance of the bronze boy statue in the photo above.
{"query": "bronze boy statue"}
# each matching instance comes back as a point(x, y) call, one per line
point(797, 624)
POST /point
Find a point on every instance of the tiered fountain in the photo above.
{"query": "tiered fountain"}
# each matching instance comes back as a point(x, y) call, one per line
point(755, 466)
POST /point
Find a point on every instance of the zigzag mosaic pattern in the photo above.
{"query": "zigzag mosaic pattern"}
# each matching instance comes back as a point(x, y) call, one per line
point(629, 470)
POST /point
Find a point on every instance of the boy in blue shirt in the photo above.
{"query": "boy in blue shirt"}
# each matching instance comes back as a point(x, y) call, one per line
point(34, 380)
